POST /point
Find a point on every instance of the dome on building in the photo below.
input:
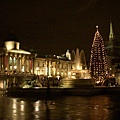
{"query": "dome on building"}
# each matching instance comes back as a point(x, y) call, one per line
point(12, 37)
point(12, 42)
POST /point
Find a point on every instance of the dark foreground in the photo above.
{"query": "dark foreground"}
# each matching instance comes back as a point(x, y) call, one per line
point(57, 91)
point(101, 107)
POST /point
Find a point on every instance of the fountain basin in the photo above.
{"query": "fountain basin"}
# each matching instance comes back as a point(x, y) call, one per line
point(78, 82)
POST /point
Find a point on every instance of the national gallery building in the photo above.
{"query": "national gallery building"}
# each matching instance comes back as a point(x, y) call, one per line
point(22, 64)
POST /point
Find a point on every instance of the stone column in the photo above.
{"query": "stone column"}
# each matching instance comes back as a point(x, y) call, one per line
point(56, 68)
point(12, 63)
point(28, 65)
point(0, 63)
point(18, 63)
point(32, 66)
point(8, 66)
point(49, 68)
point(25, 63)
point(4, 64)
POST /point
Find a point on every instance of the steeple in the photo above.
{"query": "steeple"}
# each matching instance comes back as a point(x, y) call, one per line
point(111, 34)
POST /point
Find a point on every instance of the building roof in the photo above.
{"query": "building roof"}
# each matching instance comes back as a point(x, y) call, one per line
point(12, 37)
point(57, 57)
point(19, 51)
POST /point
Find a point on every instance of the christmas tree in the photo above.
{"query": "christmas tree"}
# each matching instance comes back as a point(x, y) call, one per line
point(98, 59)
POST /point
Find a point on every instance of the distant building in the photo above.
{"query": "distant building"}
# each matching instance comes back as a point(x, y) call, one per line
point(113, 52)
point(52, 65)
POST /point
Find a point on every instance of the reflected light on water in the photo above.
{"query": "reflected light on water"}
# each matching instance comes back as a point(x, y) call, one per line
point(36, 105)
point(65, 108)
point(14, 109)
point(14, 104)
point(22, 105)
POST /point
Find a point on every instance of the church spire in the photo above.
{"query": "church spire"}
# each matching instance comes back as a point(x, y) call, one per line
point(111, 34)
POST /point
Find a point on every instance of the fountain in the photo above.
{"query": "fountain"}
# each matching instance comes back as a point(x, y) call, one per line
point(79, 75)
point(80, 68)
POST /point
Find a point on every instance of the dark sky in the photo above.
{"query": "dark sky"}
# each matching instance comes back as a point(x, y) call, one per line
point(53, 26)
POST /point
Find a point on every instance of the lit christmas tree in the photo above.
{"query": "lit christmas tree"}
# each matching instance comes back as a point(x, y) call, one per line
point(98, 59)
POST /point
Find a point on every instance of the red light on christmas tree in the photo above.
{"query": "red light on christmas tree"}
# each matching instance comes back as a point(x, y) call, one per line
point(98, 59)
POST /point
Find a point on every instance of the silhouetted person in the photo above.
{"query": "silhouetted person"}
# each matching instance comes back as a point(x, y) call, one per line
point(48, 94)
point(47, 112)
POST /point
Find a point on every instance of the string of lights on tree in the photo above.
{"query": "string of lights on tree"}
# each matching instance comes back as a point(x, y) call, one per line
point(98, 58)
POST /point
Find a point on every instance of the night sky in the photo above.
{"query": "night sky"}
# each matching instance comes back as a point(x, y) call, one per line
point(53, 26)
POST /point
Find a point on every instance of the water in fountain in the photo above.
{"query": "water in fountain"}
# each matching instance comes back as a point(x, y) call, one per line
point(80, 68)
point(79, 75)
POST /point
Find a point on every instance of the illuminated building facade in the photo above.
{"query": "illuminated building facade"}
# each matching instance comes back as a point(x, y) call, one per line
point(21, 64)
point(13, 59)
point(52, 65)
point(113, 52)
point(14, 62)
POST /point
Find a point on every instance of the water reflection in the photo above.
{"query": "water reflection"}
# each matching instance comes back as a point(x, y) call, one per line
point(63, 108)
point(36, 105)
point(22, 106)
